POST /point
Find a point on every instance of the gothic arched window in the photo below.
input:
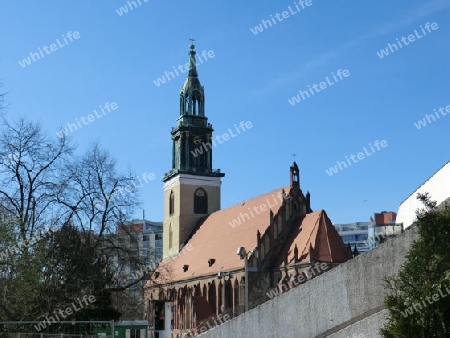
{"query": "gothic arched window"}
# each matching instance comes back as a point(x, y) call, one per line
point(200, 201)
point(212, 296)
point(196, 103)
point(171, 203)
point(187, 108)
point(182, 110)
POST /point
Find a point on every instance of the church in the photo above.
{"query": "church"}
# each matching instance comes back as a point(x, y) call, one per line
point(218, 263)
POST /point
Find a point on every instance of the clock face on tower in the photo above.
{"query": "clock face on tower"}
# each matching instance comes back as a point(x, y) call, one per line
point(197, 140)
point(200, 192)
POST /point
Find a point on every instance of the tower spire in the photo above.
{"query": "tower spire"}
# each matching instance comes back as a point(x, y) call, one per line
point(193, 135)
point(192, 63)
point(192, 96)
point(192, 186)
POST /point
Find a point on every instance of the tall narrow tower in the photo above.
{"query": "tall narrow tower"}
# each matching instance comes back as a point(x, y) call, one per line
point(192, 187)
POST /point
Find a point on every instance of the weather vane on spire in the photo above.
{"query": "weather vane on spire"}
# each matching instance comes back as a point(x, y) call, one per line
point(294, 155)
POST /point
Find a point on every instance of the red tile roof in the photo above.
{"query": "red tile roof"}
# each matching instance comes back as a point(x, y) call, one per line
point(217, 239)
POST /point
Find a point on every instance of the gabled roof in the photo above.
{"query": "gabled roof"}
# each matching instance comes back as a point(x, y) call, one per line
point(317, 237)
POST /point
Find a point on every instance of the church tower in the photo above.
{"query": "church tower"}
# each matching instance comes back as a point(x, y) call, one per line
point(192, 187)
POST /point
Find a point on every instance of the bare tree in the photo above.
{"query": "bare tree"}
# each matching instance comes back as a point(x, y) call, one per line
point(98, 201)
point(29, 166)
point(30, 163)
point(97, 196)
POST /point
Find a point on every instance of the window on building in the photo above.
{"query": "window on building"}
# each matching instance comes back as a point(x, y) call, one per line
point(170, 235)
point(196, 103)
point(360, 237)
point(171, 203)
point(135, 333)
point(159, 251)
point(200, 201)
point(159, 315)
point(348, 238)
point(188, 105)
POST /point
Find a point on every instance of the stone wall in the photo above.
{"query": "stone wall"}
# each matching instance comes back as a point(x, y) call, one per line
point(346, 301)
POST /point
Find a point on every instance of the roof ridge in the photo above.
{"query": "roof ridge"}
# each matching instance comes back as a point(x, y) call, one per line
point(251, 199)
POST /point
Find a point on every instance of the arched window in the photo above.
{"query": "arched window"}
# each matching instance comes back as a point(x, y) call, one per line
point(236, 295)
point(181, 104)
point(242, 291)
point(187, 107)
point(171, 203)
point(200, 201)
point(228, 295)
point(220, 292)
point(196, 103)
point(212, 296)
point(170, 236)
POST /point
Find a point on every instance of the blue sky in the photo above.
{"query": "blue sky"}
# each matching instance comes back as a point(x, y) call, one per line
point(251, 77)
